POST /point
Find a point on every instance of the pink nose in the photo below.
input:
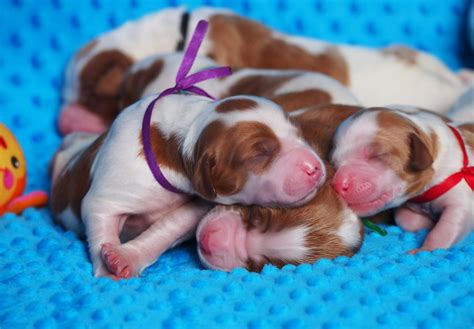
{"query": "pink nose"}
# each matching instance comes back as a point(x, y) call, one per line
point(214, 239)
point(313, 169)
point(352, 187)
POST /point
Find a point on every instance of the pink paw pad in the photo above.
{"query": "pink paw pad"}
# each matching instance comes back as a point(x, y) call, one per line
point(117, 264)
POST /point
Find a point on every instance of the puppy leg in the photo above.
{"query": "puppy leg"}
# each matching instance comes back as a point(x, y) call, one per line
point(131, 258)
point(412, 221)
point(101, 230)
point(453, 225)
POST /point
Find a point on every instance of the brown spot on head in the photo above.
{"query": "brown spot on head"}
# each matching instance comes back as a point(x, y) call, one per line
point(241, 42)
point(236, 104)
point(406, 149)
point(100, 83)
point(318, 125)
point(73, 182)
point(136, 82)
point(322, 217)
point(225, 156)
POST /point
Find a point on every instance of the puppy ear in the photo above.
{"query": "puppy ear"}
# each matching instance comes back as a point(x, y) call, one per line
point(202, 179)
point(109, 84)
point(104, 74)
point(420, 156)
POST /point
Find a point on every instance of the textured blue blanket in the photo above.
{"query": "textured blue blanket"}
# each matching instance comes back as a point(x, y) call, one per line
point(45, 274)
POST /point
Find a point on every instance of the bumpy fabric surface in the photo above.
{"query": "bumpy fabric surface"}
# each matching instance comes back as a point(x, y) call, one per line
point(45, 273)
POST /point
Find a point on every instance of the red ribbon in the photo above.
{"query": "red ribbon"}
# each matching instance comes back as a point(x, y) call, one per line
point(466, 173)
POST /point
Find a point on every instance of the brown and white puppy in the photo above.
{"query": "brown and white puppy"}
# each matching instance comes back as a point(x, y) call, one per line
point(250, 237)
point(292, 90)
point(376, 76)
point(386, 156)
point(236, 150)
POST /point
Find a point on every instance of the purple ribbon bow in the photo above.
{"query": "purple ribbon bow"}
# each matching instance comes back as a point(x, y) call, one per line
point(183, 83)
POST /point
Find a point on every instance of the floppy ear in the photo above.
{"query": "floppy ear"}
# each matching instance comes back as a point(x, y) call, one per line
point(202, 177)
point(420, 156)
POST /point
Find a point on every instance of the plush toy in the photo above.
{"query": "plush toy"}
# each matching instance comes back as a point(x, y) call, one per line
point(13, 177)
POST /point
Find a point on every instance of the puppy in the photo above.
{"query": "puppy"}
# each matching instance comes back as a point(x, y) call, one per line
point(376, 76)
point(251, 237)
point(386, 157)
point(236, 150)
point(292, 90)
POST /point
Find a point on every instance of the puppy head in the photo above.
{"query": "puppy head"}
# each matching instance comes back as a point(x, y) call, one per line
point(94, 78)
point(251, 237)
point(248, 152)
point(382, 159)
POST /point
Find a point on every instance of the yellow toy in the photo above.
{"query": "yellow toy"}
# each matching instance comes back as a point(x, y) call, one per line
point(13, 177)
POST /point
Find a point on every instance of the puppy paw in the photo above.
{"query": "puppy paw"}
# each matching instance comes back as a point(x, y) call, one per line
point(116, 262)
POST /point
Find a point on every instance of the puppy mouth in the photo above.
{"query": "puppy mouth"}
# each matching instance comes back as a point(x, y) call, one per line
point(372, 206)
point(305, 199)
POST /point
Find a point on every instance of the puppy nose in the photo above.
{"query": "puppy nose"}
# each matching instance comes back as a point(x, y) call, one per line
point(342, 184)
point(213, 240)
point(312, 169)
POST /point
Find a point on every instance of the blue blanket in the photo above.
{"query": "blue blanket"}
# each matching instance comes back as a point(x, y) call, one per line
point(45, 273)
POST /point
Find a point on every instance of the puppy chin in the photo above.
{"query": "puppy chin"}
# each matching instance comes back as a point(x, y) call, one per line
point(386, 200)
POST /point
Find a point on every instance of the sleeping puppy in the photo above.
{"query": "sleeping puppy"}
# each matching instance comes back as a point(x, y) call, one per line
point(386, 157)
point(291, 90)
point(376, 76)
point(240, 149)
point(250, 237)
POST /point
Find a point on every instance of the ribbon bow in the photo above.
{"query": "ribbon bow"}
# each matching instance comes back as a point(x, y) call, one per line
point(466, 173)
point(183, 83)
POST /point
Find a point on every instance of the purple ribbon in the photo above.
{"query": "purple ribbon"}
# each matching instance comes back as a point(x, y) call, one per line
point(183, 83)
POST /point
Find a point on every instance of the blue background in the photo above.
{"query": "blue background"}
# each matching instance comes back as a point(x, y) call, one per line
point(45, 274)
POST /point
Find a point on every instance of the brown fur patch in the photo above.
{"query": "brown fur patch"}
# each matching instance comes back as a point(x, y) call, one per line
point(259, 85)
point(319, 124)
point(392, 144)
point(236, 104)
point(323, 215)
point(403, 53)
point(73, 183)
point(135, 83)
point(100, 83)
point(167, 151)
point(301, 99)
point(241, 42)
point(253, 147)
point(86, 49)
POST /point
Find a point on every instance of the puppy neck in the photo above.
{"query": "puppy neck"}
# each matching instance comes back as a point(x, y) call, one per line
point(177, 118)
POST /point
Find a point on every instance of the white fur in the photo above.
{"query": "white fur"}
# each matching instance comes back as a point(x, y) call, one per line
point(288, 244)
point(349, 231)
point(463, 109)
point(354, 133)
